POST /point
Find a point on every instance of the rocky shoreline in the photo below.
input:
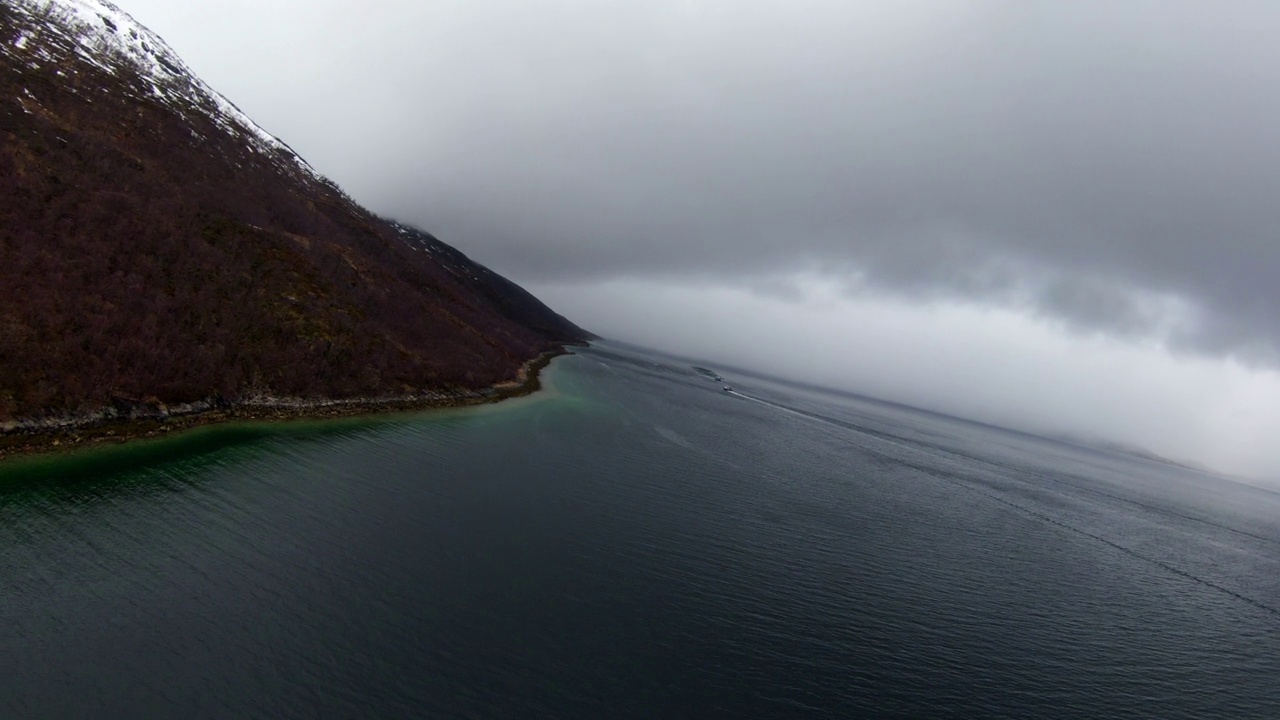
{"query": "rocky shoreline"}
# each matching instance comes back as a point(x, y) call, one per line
point(130, 420)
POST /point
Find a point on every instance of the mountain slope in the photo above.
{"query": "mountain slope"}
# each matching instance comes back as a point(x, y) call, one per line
point(158, 247)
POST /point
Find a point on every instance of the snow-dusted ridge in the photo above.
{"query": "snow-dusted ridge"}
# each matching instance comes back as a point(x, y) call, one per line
point(448, 257)
point(104, 35)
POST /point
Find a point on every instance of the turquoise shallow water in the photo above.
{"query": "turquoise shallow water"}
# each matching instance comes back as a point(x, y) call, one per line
point(634, 543)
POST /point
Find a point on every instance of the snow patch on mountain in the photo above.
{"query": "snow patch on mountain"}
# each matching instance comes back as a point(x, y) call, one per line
point(104, 35)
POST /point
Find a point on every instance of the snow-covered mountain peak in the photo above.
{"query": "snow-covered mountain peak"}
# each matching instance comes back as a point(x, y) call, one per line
point(102, 34)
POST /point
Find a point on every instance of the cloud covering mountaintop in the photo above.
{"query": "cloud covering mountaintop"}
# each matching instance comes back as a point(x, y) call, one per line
point(1110, 165)
point(1103, 170)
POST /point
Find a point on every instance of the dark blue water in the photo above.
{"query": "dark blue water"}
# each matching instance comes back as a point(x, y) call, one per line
point(635, 542)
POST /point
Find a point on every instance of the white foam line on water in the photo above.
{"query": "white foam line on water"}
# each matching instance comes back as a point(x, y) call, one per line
point(823, 421)
point(775, 406)
point(1122, 548)
point(1043, 517)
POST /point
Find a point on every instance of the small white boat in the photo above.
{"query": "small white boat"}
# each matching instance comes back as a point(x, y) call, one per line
point(728, 388)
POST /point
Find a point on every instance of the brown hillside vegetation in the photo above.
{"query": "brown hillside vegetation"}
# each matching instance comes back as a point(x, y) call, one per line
point(149, 252)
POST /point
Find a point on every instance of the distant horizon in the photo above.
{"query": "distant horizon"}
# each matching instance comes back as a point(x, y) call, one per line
point(1099, 444)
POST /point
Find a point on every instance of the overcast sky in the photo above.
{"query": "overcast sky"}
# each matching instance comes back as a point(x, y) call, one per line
point(1059, 216)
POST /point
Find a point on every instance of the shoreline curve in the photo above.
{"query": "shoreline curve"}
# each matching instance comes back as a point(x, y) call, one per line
point(21, 442)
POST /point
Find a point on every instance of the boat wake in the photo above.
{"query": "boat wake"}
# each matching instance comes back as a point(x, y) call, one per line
point(977, 489)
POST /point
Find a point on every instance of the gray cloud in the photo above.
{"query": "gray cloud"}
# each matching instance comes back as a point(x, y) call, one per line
point(1111, 166)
